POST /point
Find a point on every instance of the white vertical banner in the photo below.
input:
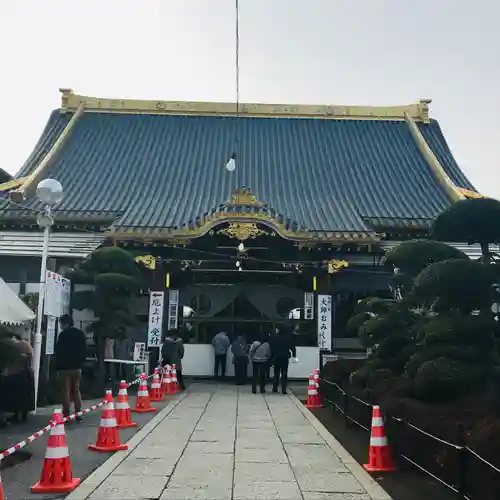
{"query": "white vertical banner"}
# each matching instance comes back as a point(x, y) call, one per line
point(155, 318)
point(53, 294)
point(50, 339)
point(139, 351)
point(308, 305)
point(65, 295)
point(325, 322)
point(173, 309)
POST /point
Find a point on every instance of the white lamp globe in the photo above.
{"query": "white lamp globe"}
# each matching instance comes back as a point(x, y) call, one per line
point(231, 165)
point(49, 192)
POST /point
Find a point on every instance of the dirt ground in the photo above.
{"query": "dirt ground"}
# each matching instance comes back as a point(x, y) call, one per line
point(406, 484)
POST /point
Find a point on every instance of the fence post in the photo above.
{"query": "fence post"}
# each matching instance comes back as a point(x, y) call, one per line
point(345, 404)
point(463, 463)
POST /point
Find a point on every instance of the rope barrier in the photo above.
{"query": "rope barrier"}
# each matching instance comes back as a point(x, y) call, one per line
point(18, 446)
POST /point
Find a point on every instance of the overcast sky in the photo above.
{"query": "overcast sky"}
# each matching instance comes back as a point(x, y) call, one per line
point(292, 51)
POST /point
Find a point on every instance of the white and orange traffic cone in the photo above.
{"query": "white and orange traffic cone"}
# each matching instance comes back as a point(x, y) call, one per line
point(156, 394)
point(108, 438)
point(316, 377)
point(143, 401)
point(166, 382)
point(313, 398)
point(174, 384)
point(122, 410)
point(379, 455)
point(56, 474)
point(316, 381)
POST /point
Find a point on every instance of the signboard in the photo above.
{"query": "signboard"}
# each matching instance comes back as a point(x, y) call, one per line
point(308, 305)
point(65, 295)
point(53, 295)
point(325, 322)
point(50, 339)
point(155, 318)
point(173, 309)
point(57, 295)
point(139, 351)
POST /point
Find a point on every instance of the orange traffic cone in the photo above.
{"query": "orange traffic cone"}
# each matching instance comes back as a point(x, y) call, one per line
point(379, 456)
point(56, 474)
point(156, 394)
point(108, 438)
point(123, 415)
point(174, 384)
point(313, 399)
point(143, 401)
point(166, 382)
point(316, 381)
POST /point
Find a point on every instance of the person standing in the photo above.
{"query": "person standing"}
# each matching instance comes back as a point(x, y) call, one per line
point(70, 353)
point(221, 344)
point(20, 381)
point(172, 352)
point(282, 349)
point(260, 353)
point(239, 348)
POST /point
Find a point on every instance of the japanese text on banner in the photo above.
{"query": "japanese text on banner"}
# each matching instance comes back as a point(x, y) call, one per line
point(173, 308)
point(308, 305)
point(155, 318)
point(50, 339)
point(325, 322)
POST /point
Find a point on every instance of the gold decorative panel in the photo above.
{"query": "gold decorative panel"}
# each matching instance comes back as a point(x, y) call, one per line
point(244, 196)
point(336, 265)
point(242, 231)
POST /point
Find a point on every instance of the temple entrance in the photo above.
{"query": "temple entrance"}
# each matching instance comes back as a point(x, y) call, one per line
point(245, 310)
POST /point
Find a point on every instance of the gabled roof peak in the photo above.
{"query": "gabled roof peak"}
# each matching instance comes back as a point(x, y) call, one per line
point(71, 102)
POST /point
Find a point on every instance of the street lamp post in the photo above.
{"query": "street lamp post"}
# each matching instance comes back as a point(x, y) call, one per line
point(49, 192)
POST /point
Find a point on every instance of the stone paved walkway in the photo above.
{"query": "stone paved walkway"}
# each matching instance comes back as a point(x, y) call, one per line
point(221, 443)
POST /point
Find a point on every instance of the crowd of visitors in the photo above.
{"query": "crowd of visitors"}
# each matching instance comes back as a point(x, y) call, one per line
point(267, 350)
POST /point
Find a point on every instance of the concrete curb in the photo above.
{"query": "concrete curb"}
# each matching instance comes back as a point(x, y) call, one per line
point(95, 479)
point(374, 490)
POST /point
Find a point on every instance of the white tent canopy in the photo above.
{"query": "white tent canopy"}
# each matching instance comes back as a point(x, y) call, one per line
point(13, 311)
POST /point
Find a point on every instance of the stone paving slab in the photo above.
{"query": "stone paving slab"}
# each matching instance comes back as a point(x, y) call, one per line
point(224, 443)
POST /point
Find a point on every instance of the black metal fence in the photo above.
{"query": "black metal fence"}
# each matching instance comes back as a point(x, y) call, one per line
point(463, 465)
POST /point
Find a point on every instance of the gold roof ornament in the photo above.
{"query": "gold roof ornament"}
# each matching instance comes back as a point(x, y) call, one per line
point(471, 194)
point(334, 266)
point(242, 231)
point(244, 196)
point(148, 261)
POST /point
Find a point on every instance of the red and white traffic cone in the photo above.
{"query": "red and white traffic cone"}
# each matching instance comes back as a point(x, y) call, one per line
point(174, 385)
point(2, 496)
point(165, 386)
point(108, 438)
point(156, 394)
point(143, 401)
point(316, 381)
point(56, 474)
point(313, 399)
point(379, 455)
point(123, 415)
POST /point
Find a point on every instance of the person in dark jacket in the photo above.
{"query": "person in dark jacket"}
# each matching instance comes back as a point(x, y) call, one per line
point(172, 352)
point(282, 349)
point(221, 344)
point(70, 353)
point(239, 348)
